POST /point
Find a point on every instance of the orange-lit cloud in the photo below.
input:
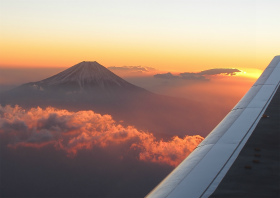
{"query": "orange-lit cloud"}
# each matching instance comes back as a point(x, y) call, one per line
point(125, 71)
point(201, 76)
point(75, 131)
point(170, 152)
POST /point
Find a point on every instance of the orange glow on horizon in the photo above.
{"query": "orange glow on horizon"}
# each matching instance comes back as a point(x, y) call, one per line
point(41, 52)
point(250, 73)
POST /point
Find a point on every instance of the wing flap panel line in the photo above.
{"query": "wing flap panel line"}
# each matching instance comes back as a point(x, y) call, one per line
point(214, 184)
point(200, 173)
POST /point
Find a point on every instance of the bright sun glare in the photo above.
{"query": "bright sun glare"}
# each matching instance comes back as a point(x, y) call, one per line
point(250, 73)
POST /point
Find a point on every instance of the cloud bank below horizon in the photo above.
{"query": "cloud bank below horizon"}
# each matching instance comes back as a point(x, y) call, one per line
point(85, 130)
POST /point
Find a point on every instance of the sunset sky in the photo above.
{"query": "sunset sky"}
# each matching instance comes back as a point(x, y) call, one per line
point(189, 35)
point(206, 54)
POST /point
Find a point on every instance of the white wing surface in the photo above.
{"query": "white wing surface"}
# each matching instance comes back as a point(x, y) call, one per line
point(202, 172)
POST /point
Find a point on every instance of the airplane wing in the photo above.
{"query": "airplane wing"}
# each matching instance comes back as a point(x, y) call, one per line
point(241, 156)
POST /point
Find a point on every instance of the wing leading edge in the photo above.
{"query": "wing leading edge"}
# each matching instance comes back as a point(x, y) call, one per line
point(202, 171)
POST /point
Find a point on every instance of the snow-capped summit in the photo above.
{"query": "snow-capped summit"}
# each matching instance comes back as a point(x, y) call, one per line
point(87, 83)
point(84, 76)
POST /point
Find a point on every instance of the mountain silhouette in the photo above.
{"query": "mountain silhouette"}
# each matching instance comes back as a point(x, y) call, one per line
point(83, 84)
point(85, 76)
point(91, 86)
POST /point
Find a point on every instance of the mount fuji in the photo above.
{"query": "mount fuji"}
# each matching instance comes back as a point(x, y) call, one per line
point(91, 86)
point(90, 77)
point(83, 84)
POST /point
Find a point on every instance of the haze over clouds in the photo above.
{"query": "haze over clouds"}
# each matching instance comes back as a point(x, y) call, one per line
point(85, 154)
point(219, 87)
point(205, 86)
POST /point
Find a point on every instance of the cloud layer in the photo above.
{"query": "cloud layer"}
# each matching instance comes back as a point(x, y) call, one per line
point(85, 130)
point(132, 70)
point(200, 76)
